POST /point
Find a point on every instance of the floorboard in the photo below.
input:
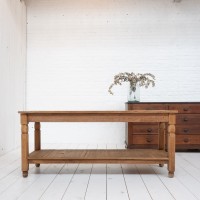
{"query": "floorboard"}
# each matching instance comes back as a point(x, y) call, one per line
point(57, 187)
point(136, 188)
point(116, 187)
point(156, 188)
point(174, 186)
point(79, 182)
point(97, 184)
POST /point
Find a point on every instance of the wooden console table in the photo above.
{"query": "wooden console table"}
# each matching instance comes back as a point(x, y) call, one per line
point(155, 156)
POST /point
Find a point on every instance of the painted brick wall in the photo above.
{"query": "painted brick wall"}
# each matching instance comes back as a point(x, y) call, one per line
point(12, 71)
point(76, 47)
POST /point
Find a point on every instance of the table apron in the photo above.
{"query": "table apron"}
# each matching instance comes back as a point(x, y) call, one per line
point(98, 118)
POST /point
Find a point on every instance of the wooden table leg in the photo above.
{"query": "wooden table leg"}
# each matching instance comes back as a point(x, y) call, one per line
point(171, 145)
point(161, 135)
point(24, 145)
point(37, 139)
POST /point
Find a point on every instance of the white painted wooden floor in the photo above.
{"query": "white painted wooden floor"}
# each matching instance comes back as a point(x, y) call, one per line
point(99, 181)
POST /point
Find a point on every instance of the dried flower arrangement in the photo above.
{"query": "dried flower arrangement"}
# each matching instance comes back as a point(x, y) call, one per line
point(134, 79)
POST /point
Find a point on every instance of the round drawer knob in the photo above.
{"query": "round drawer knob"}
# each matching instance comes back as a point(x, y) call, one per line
point(186, 140)
point(149, 130)
point(149, 140)
point(185, 119)
point(185, 130)
point(185, 109)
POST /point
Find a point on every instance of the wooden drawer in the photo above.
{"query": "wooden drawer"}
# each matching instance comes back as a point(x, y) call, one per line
point(147, 107)
point(185, 108)
point(185, 129)
point(144, 128)
point(148, 140)
point(187, 139)
point(145, 139)
point(183, 119)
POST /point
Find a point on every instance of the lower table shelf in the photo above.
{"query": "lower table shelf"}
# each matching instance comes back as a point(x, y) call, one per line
point(135, 156)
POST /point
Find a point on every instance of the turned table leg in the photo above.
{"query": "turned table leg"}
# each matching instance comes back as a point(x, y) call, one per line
point(161, 140)
point(171, 145)
point(37, 139)
point(24, 145)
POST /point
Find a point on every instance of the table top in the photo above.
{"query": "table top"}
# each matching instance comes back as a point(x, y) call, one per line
point(102, 112)
point(164, 102)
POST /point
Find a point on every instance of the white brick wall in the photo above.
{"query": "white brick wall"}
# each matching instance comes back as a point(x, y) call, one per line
point(12, 71)
point(76, 47)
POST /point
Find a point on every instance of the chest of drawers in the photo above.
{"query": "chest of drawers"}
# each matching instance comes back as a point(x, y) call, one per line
point(187, 125)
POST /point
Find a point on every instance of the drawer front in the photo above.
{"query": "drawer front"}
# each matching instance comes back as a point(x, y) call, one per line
point(185, 108)
point(187, 139)
point(183, 119)
point(144, 128)
point(186, 129)
point(147, 106)
point(145, 139)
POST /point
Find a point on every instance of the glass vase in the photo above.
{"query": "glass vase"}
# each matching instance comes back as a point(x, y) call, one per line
point(134, 93)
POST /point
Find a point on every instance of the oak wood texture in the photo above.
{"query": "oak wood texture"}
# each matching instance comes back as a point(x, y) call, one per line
point(37, 139)
point(149, 139)
point(171, 144)
point(25, 145)
point(187, 126)
point(98, 116)
point(185, 108)
point(138, 128)
point(99, 156)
